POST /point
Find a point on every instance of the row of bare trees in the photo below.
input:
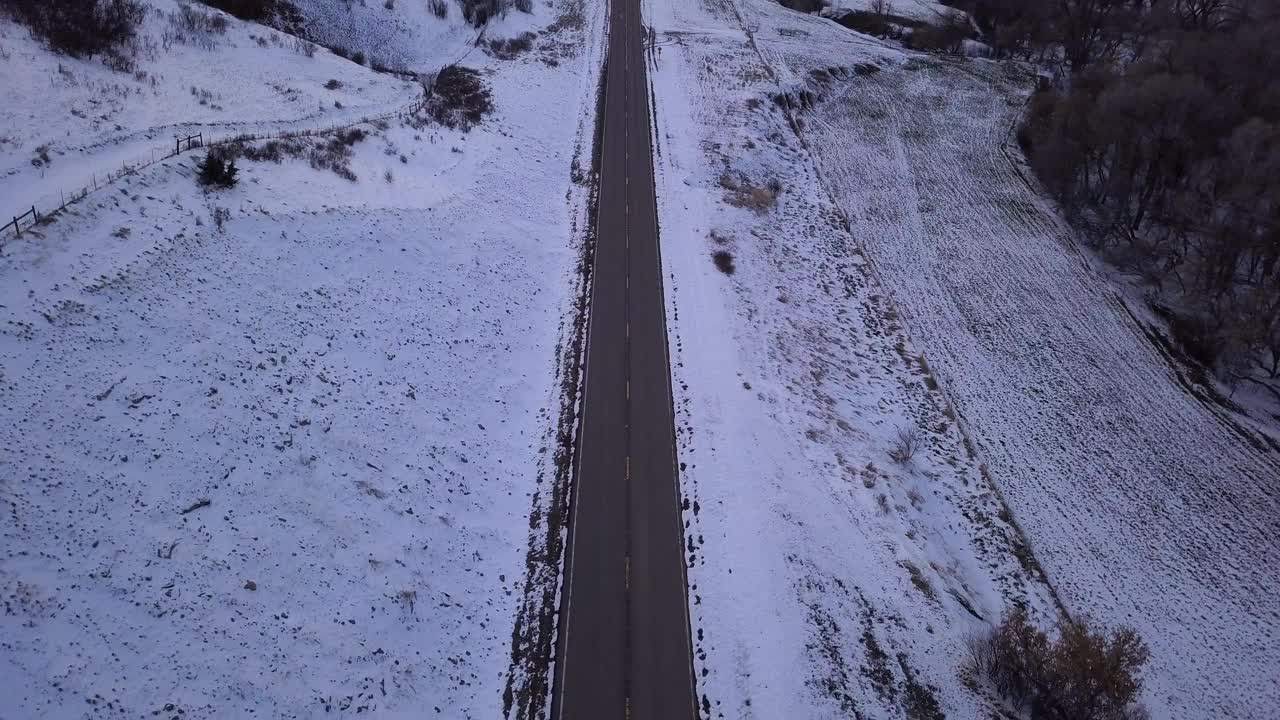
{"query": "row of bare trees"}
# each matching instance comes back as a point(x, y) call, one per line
point(1161, 136)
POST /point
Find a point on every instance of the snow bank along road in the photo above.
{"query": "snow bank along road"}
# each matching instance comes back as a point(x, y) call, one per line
point(625, 648)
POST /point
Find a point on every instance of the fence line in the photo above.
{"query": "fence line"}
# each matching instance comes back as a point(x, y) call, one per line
point(191, 142)
point(16, 222)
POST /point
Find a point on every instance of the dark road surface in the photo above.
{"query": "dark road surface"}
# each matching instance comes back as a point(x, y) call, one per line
point(624, 649)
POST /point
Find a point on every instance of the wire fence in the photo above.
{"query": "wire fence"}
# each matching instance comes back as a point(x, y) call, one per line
point(99, 180)
point(16, 222)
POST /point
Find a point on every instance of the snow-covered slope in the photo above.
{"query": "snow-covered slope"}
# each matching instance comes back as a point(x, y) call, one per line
point(65, 121)
point(358, 376)
point(1148, 506)
point(828, 581)
point(793, 374)
point(402, 34)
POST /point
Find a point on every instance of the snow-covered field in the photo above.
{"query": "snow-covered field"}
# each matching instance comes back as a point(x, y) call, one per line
point(359, 377)
point(828, 581)
point(1146, 507)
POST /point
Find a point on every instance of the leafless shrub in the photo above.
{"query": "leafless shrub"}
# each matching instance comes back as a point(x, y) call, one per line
point(512, 47)
point(909, 440)
point(439, 8)
point(804, 6)
point(304, 47)
point(571, 19)
point(273, 151)
point(915, 497)
point(1082, 674)
point(81, 28)
point(864, 21)
point(724, 261)
point(195, 27)
point(478, 12)
point(869, 476)
point(220, 217)
point(335, 155)
point(947, 35)
point(459, 97)
point(743, 194)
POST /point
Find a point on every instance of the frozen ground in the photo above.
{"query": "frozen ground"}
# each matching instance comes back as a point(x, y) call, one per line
point(360, 377)
point(1147, 506)
point(827, 580)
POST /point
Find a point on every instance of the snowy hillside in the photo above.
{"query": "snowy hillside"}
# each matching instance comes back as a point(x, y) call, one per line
point(66, 121)
point(404, 34)
point(828, 579)
point(879, 263)
point(272, 449)
point(1147, 504)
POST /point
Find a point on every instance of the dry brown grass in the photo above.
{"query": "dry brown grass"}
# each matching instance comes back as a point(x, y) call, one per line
point(741, 193)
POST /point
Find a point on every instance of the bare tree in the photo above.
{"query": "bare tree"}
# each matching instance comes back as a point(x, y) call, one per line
point(908, 441)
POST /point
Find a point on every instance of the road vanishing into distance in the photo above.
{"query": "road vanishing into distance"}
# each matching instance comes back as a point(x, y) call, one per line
point(624, 649)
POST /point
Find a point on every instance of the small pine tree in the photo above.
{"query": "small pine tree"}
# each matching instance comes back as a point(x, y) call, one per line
point(217, 171)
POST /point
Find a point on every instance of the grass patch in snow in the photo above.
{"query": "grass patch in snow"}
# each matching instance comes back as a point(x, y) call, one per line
point(919, 580)
point(329, 152)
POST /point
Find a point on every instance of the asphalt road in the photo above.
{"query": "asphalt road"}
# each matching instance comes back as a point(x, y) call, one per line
point(624, 648)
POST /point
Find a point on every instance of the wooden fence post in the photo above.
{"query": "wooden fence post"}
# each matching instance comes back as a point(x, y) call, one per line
point(16, 227)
